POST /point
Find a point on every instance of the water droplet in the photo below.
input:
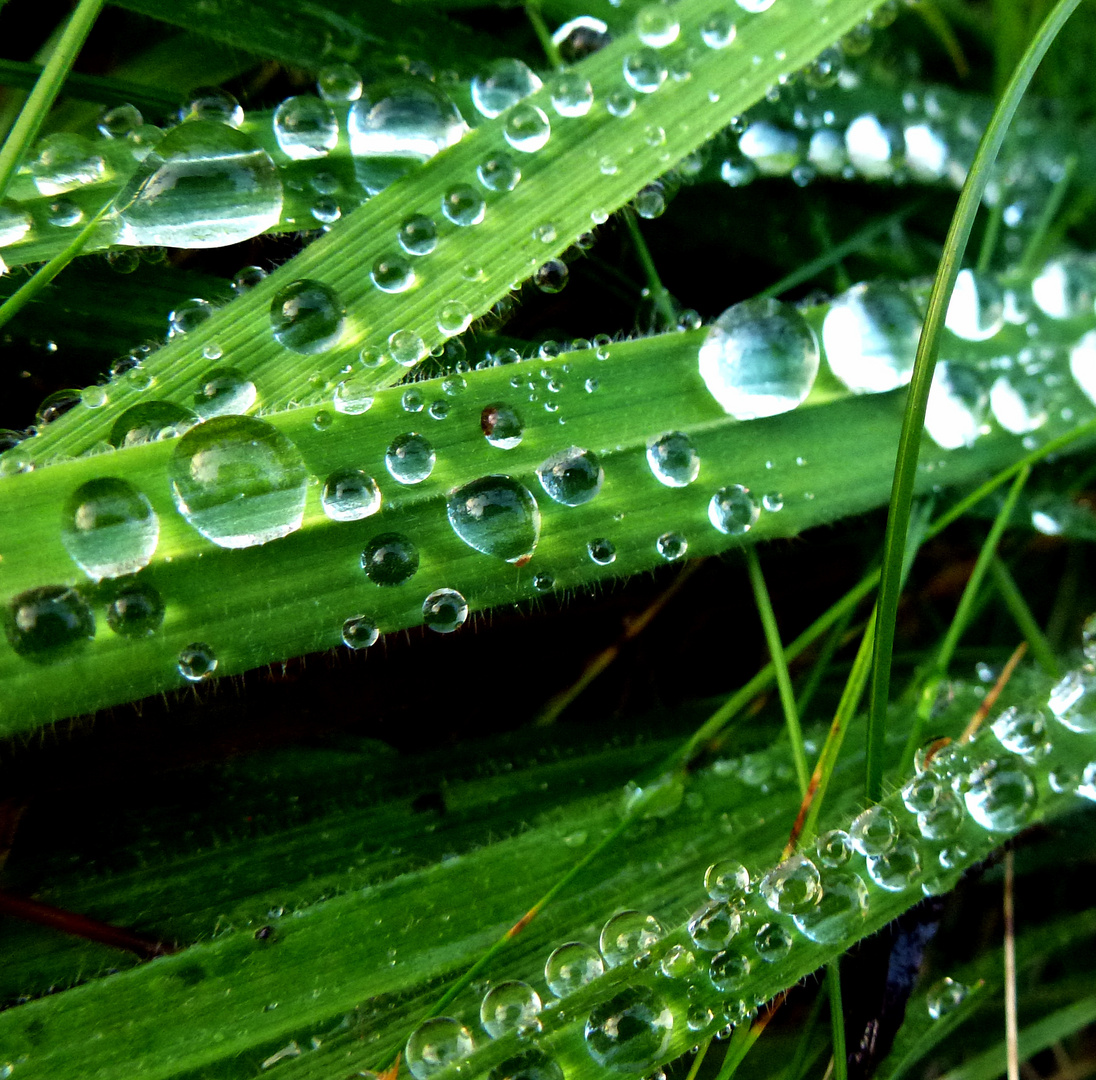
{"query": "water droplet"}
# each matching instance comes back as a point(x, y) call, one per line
point(239, 481)
point(64, 162)
point(840, 911)
point(728, 970)
point(360, 632)
point(718, 30)
point(390, 559)
point(305, 127)
point(755, 7)
point(897, 868)
point(772, 942)
point(772, 150)
point(14, 225)
point(571, 477)
point(497, 516)
point(48, 623)
point(552, 276)
point(870, 335)
point(392, 274)
point(213, 104)
point(793, 887)
point(759, 358)
point(531, 1065)
point(673, 459)
point(410, 458)
point(444, 611)
point(55, 405)
point(527, 128)
point(650, 201)
point(196, 661)
point(119, 122)
point(247, 279)
point(943, 819)
point(109, 528)
point(572, 94)
point(944, 997)
point(1000, 795)
point(435, 1044)
point(1022, 731)
point(350, 495)
point(353, 397)
point(222, 392)
point(64, 214)
point(874, 832)
point(629, 1032)
point(976, 311)
point(601, 551)
point(397, 125)
point(726, 879)
point(150, 421)
point(406, 347)
point(1066, 287)
point(509, 1006)
point(418, 235)
point(872, 147)
point(307, 316)
point(204, 185)
point(833, 848)
point(672, 546)
point(627, 934)
point(502, 426)
point(922, 792)
point(644, 71)
point(499, 173)
point(957, 405)
point(733, 511)
point(339, 83)
point(463, 205)
point(502, 85)
point(713, 926)
point(1073, 701)
point(656, 25)
point(571, 967)
point(136, 609)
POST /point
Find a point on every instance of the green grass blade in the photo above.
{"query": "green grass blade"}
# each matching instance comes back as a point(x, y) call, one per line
point(914, 419)
point(46, 89)
point(1024, 619)
point(837, 1021)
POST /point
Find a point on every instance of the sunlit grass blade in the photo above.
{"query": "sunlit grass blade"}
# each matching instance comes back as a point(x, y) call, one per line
point(914, 419)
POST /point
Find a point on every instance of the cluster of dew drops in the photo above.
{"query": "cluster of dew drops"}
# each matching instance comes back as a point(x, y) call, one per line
point(958, 795)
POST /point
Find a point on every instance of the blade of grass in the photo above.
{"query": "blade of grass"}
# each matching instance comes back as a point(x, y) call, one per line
point(837, 1021)
point(1012, 1036)
point(1025, 621)
point(780, 666)
point(1033, 252)
point(833, 642)
point(660, 295)
point(927, 350)
point(101, 89)
point(46, 89)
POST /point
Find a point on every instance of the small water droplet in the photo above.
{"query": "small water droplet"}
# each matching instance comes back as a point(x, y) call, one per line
point(353, 397)
point(509, 1006)
point(944, 997)
point(444, 611)
point(499, 173)
point(571, 967)
point(602, 551)
point(874, 832)
point(390, 559)
point(672, 546)
point(436, 1044)
point(360, 632)
point(497, 516)
point(713, 926)
point(571, 477)
point(339, 83)
point(673, 459)
point(572, 94)
point(350, 495)
point(527, 128)
point(502, 426)
point(48, 623)
point(307, 316)
point(305, 127)
point(196, 661)
point(733, 511)
point(772, 942)
point(644, 71)
point(463, 205)
point(1000, 795)
point(410, 458)
point(839, 912)
point(501, 86)
point(136, 609)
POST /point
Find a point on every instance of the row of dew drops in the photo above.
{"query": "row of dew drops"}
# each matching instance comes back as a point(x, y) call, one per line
point(240, 482)
point(958, 793)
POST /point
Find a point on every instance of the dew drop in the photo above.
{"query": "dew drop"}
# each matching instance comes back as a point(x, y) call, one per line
point(64, 162)
point(839, 913)
point(572, 477)
point(897, 868)
point(410, 458)
point(213, 104)
point(453, 318)
point(406, 347)
point(772, 942)
point(307, 316)
point(136, 610)
point(531, 1065)
point(1073, 701)
point(499, 173)
point(339, 83)
point(352, 397)
point(552, 276)
point(572, 94)
point(305, 127)
point(733, 511)
point(874, 832)
point(1022, 731)
point(150, 421)
point(392, 274)
point(238, 481)
point(629, 1032)
point(626, 935)
point(672, 546)
point(755, 7)
point(793, 887)
point(527, 128)
point(436, 1044)
point(1066, 287)
point(1000, 795)
point(956, 407)
point(729, 970)
point(601, 551)
point(502, 426)
point(713, 926)
point(496, 515)
point(726, 879)
point(571, 967)
point(976, 311)
point(673, 459)
point(509, 1006)
point(350, 495)
point(501, 86)
point(718, 30)
point(444, 611)
point(944, 997)
point(204, 185)
point(463, 205)
point(109, 528)
point(644, 71)
point(48, 623)
point(196, 661)
point(360, 632)
point(390, 559)
point(119, 122)
point(223, 392)
point(656, 25)
point(759, 358)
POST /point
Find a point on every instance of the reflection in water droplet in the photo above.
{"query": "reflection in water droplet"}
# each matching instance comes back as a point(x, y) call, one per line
point(571, 967)
point(644, 71)
point(626, 935)
point(956, 407)
point(527, 128)
point(499, 173)
point(360, 632)
point(496, 515)
point(733, 511)
point(410, 458)
point(840, 911)
point(463, 205)
point(726, 879)
point(673, 459)
point(729, 970)
point(713, 926)
point(793, 887)
point(350, 495)
point(1066, 287)
point(897, 868)
point(197, 661)
point(672, 546)
point(418, 235)
point(136, 609)
point(1073, 701)
point(874, 832)
point(444, 611)
point(149, 422)
point(572, 94)
point(307, 316)
point(352, 397)
point(629, 1032)
point(502, 85)
point(392, 274)
point(48, 623)
point(572, 477)
point(976, 310)
point(222, 392)
point(109, 528)
point(1000, 795)
point(1022, 730)
point(772, 942)
point(239, 481)
point(530, 1065)
point(390, 559)
point(339, 83)
point(944, 997)
point(509, 1006)
point(435, 1044)
point(204, 185)
point(305, 127)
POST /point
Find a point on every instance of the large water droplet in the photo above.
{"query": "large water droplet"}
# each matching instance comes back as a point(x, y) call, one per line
point(444, 611)
point(1066, 287)
point(732, 510)
point(1022, 730)
point(713, 926)
point(136, 609)
point(759, 358)
point(499, 173)
point(601, 550)
point(360, 632)
point(463, 205)
point(571, 967)
point(109, 528)
point(398, 124)
point(390, 559)
point(631, 1031)
point(657, 25)
point(496, 515)
point(729, 970)
point(239, 481)
point(772, 942)
point(839, 913)
point(150, 421)
point(943, 819)
point(773, 150)
point(509, 1006)
point(418, 235)
point(223, 392)
point(527, 128)
point(305, 127)
point(65, 162)
point(350, 495)
point(48, 623)
point(502, 85)
point(793, 887)
point(14, 225)
point(571, 477)
point(897, 868)
point(435, 1044)
point(976, 310)
point(1000, 795)
point(644, 70)
point(874, 832)
point(628, 934)
point(833, 848)
point(1073, 701)
point(531, 1065)
point(870, 335)
point(957, 405)
point(410, 458)
point(871, 147)
point(673, 459)
point(204, 185)
point(572, 94)
point(307, 316)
